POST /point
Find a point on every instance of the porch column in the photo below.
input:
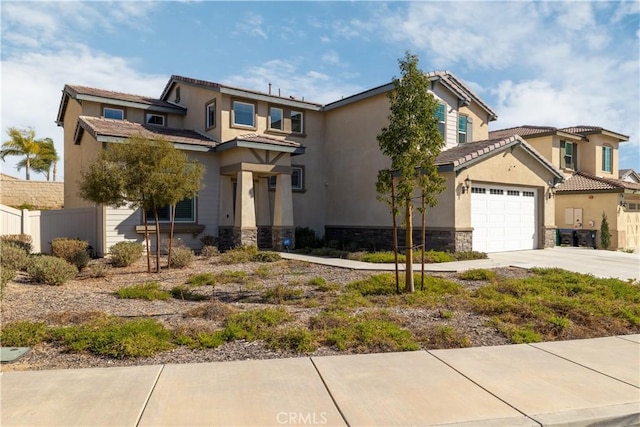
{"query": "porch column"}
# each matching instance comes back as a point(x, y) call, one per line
point(244, 229)
point(263, 215)
point(283, 227)
point(225, 213)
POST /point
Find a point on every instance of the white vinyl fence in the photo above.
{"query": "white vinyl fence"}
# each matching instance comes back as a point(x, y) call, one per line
point(43, 226)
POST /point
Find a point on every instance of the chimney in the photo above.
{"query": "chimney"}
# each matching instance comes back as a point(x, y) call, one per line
point(269, 88)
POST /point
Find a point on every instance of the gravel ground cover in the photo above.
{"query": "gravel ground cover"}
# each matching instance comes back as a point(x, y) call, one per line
point(247, 286)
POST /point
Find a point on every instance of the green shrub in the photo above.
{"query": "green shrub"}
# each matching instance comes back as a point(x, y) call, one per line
point(254, 324)
point(437, 256)
point(214, 310)
point(123, 254)
point(370, 334)
point(379, 284)
point(263, 271)
point(99, 269)
point(478, 274)
point(116, 337)
point(23, 334)
point(181, 258)
point(195, 337)
point(74, 251)
point(229, 276)
point(13, 256)
point(6, 275)
point(149, 291)
point(239, 255)
point(184, 293)
point(266, 256)
point(51, 270)
point(279, 294)
point(469, 255)
point(384, 257)
point(201, 279)
point(444, 336)
point(23, 241)
point(306, 238)
point(210, 241)
point(299, 340)
point(209, 252)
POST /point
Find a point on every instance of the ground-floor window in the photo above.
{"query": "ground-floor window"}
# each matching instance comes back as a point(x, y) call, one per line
point(185, 212)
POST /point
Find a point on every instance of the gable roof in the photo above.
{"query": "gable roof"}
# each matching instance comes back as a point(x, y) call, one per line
point(582, 181)
point(461, 91)
point(465, 155)
point(246, 93)
point(253, 140)
point(629, 173)
point(114, 98)
point(576, 132)
point(109, 130)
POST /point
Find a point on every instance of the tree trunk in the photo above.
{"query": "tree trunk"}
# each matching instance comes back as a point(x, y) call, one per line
point(155, 214)
point(409, 287)
point(27, 167)
point(55, 170)
point(173, 221)
point(146, 239)
point(424, 243)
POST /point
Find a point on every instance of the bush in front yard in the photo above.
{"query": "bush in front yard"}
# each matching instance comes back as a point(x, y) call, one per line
point(74, 251)
point(123, 254)
point(181, 258)
point(13, 256)
point(51, 270)
point(22, 240)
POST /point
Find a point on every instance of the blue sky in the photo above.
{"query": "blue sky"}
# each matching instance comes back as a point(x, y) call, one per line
point(538, 63)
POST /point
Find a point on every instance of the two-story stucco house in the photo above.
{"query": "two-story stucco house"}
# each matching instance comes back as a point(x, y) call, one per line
point(274, 163)
point(588, 157)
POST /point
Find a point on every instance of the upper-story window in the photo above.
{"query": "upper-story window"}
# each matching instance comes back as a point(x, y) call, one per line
point(607, 159)
point(297, 122)
point(463, 136)
point(243, 114)
point(441, 116)
point(155, 119)
point(113, 113)
point(568, 155)
point(211, 114)
point(275, 119)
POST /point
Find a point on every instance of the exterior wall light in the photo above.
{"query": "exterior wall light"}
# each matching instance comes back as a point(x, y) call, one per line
point(466, 186)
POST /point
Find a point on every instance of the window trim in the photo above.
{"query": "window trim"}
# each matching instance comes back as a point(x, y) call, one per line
point(233, 115)
point(607, 166)
point(466, 128)
point(162, 116)
point(442, 122)
point(291, 113)
point(208, 118)
point(301, 189)
point(270, 124)
point(192, 220)
point(104, 111)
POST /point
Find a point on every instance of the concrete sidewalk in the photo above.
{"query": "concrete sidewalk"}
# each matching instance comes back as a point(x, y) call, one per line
point(583, 382)
point(599, 263)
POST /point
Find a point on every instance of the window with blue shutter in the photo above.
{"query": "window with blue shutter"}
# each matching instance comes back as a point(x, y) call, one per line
point(441, 116)
point(607, 159)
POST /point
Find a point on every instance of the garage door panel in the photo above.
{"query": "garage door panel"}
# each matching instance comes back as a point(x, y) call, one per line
point(503, 218)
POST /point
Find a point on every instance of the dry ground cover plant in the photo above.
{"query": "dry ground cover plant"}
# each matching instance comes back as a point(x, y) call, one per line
point(230, 307)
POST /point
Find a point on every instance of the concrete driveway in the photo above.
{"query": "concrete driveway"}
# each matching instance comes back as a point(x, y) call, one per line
point(581, 260)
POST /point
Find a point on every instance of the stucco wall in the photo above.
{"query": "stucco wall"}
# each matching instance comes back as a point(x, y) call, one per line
point(40, 194)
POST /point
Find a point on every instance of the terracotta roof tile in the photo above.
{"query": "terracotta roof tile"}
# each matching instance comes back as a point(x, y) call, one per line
point(582, 181)
point(97, 126)
point(524, 131)
point(75, 90)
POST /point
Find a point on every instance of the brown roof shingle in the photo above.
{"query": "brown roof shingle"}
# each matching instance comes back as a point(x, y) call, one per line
point(582, 181)
point(75, 90)
point(464, 154)
point(461, 89)
point(97, 126)
point(580, 131)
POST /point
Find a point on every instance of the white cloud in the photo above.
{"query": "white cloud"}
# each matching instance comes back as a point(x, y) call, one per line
point(288, 80)
point(252, 25)
point(331, 57)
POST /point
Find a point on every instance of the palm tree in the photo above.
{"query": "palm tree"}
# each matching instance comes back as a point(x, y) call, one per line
point(46, 159)
point(23, 142)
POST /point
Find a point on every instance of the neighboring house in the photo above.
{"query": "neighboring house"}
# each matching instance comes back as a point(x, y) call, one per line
point(628, 175)
point(274, 163)
point(588, 157)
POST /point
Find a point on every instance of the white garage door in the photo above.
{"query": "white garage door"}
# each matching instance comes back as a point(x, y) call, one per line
point(503, 218)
